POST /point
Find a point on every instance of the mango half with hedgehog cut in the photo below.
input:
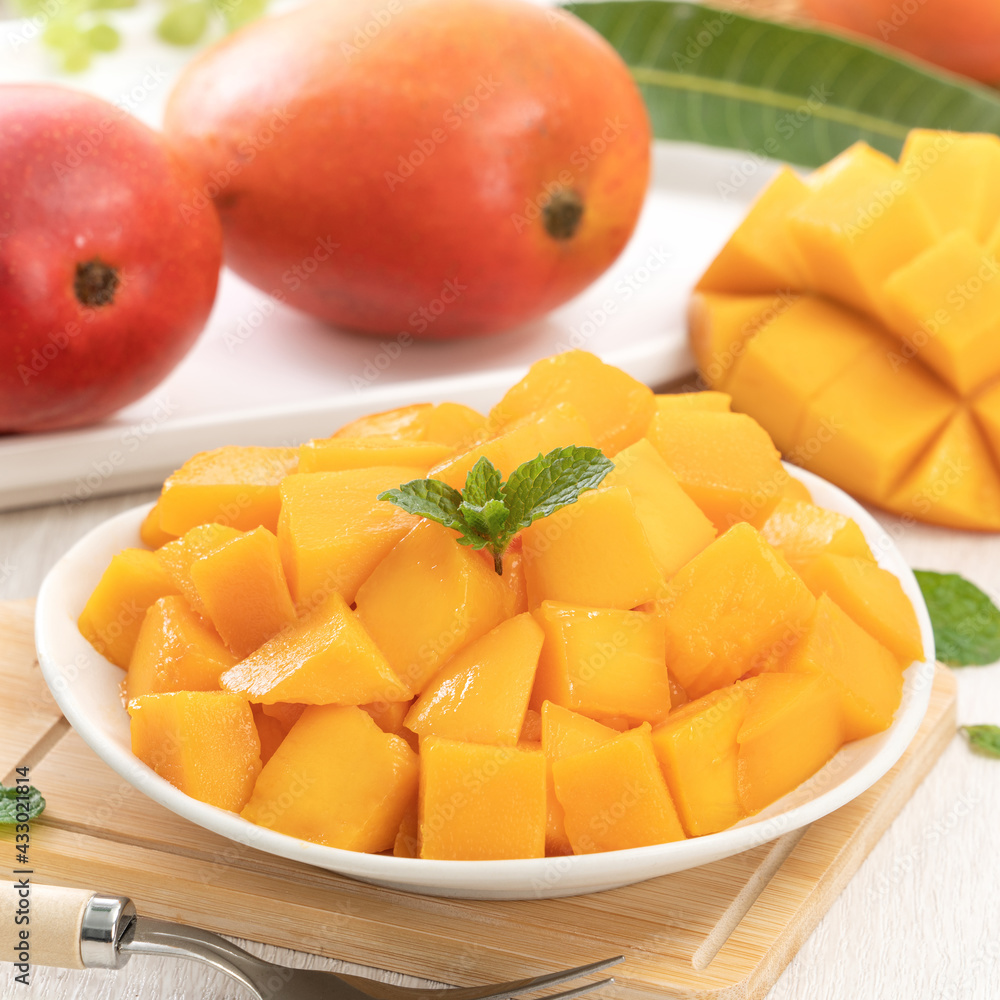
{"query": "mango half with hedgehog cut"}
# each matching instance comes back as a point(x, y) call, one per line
point(856, 316)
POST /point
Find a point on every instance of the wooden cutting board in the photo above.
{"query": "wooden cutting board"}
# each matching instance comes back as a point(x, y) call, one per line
point(739, 921)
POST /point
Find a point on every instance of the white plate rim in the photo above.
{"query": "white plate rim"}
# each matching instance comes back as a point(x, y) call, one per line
point(65, 656)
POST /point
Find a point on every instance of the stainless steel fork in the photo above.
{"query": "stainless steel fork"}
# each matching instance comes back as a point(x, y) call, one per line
point(73, 928)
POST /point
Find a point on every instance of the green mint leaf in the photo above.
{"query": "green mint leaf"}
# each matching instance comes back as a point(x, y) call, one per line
point(482, 484)
point(983, 739)
point(546, 483)
point(9, 804)
point(488, 520)
point(966, 622)
point(428, 498)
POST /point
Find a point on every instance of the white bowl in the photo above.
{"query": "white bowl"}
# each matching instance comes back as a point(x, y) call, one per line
point(86, 686)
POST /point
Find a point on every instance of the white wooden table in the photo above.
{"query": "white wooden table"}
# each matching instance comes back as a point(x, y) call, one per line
point(919, 921)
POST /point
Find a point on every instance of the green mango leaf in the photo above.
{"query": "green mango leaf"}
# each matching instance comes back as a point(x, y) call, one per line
point(782, 92)
point(983, 739)
point(966, 622)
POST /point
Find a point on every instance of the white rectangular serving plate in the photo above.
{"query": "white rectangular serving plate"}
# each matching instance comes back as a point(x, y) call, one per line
point(262, 373)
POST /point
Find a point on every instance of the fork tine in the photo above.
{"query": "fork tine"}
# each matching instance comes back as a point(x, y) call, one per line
point(502, 991)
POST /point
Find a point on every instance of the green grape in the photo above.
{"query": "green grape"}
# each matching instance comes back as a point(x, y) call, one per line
point(240, 12)
point(63, 34)
point(103, 38)
point(184, 23)
point(76, 59)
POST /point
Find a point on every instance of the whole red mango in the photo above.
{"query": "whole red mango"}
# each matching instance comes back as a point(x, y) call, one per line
point(436, 168)
point(961, 35)
point(103, 286)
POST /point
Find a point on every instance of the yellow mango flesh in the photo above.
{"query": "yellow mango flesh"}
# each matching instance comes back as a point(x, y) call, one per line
point(388, 715)
point(696, 747)
point(325, 658)
point(792, 359)
point(903, 258)
point(863, 672)
point(178, 556)
point(333, 530)
point(152, 535)
point(481, 694)
point(450, 424)
point(795, 489)
point(955, 479)
point(860, 221)
point(480, 802)
point(717, 402)
point(725, 462)
point(801, 531)
point(676, 528)
point(791, 729)
point(338, 453)
point(242, 587)
point(203, 742)
point(873, 597)
point(616, 407)
point(729, 609)
point(176, 650)
point(957, 177)
point(944, 304)
point(338, 780)
point(111, 618)
point(594, 553)
point(234, 485)
point(564, 733)
point(270, 732)
point(614, 796)
point(720, 326)
point(761, 256)
point(407, 842)
point(603, 663)
point(427, 599)
point(536, 434)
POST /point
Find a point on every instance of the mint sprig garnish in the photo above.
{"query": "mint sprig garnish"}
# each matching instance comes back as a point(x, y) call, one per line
point(984, 739)
point(13, 801)
point(966, 622)
point(489, 512)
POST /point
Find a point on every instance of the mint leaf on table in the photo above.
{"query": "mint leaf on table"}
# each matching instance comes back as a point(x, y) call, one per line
point(966, 622)
point(488, 513)
point(9, 804)
point(983, 739)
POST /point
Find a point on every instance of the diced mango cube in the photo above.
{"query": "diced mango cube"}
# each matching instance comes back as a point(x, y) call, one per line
point(451, 424)
point(152, 535)
point(719, 328)
point(481, 694)
point(794, 357)
point(336, 779)
point(873, 597)
point(234, 485)
point(791, 729)
point(860, 221)
point(614, 796)
point(676, 528)
point(203, 742)
point(242, 587)
point(603, 663)
point(338, 453)
point(333, 530)
point(176, 650)
point(761, 256)
point(697, 748)
point(717, 402)
point(111, 618)
point(178, 556)
point(801, 531)
point(427, 599)
point(725, 462)
point(729, 608)
point(520, 441)
point(945, 304)
point(616, 407)
point(325, 658)
point(594, 553)
point(864, 673)
point(480, 802)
